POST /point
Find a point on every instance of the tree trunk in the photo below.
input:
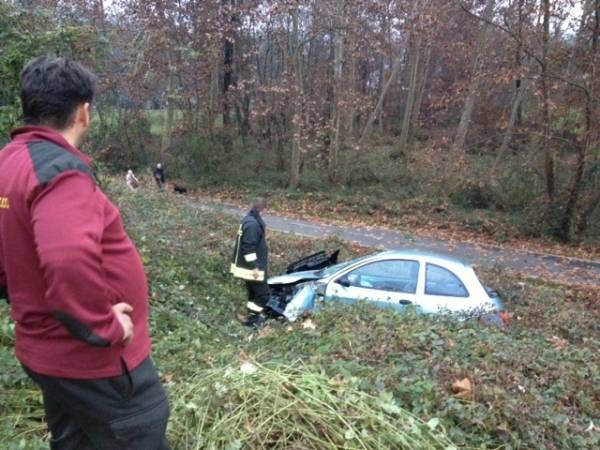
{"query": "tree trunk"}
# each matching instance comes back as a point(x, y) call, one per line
point(564, 230)
point(227, 81)
point(244, 113)
point(279, 134)
point(170, 110)
point(338, 58)
point(413, 80)
point(228, 74)
point(382, 84)
point(512, 121)
point(410, 99)
point(377, 110)
point(589, 116)
point(545, 119)
point(465, 119)
point(296, 124)
point(351, 117)
point(421, 89)
point(213, 96)
point(518, 61)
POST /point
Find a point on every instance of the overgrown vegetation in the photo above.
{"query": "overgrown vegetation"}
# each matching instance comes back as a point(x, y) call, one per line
point(28, 33)
point(534, 385)
point(404, 194)
point(281, 407)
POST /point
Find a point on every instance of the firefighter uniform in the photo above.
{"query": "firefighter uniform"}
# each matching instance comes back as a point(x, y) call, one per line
point(251, 252)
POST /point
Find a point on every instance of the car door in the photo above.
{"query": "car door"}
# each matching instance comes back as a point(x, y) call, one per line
point(388, 283)
point(443, 291)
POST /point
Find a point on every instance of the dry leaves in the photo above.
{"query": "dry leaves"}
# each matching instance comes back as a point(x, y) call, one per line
point(166, 378)
point(462, 388)
point(558, 343)
point(265, 332)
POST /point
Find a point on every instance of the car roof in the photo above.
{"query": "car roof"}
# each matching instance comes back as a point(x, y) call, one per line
point(420, 254)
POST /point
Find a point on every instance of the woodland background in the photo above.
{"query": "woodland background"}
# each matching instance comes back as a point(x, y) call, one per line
point(480, 113)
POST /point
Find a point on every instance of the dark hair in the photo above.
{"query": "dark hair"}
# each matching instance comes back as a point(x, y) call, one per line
point(259, 203)
point(51, 90)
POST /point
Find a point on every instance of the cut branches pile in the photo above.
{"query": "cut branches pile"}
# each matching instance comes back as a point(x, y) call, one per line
point(292, 408)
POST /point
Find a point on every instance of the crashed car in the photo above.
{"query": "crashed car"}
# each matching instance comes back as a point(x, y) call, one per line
point(429, 283)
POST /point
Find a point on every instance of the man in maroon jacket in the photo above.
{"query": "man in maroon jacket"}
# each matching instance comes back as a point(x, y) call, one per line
point(75, 281)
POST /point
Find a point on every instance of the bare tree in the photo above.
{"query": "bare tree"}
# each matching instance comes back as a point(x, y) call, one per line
point(338, 59)
point(465, 119)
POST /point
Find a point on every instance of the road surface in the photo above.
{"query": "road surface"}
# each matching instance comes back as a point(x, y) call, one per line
point(557, 268)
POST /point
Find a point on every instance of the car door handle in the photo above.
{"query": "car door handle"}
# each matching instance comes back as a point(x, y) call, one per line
point(405, 302)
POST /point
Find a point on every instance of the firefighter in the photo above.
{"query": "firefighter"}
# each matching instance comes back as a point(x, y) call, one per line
point(250, 262)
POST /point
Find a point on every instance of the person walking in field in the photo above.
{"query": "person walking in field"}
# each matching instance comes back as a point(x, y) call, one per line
point(77, 288)
point(250, 262)
point(159, 175)
point(131, 180)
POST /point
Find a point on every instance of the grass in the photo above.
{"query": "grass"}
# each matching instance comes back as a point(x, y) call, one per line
point(534, 385)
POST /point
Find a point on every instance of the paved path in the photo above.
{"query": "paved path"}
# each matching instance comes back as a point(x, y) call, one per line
point(559, 268)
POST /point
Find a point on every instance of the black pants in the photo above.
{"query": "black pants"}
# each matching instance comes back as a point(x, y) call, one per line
point(126, 412)
point(258, 295)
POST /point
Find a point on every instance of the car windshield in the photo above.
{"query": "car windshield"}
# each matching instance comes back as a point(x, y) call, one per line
point(328, 271)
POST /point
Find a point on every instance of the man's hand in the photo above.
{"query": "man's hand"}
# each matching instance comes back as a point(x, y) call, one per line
point(255, 274)
point(122, 311)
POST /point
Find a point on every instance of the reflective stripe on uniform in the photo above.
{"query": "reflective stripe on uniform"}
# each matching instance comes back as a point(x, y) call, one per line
point(250, 257)
point(254, 307)
point(246, 274)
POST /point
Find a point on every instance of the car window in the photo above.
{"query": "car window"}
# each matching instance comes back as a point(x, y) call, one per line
point(440, 281)
point(391, 275)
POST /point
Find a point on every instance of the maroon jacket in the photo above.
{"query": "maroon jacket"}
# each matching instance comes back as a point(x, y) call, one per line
point(65, 259)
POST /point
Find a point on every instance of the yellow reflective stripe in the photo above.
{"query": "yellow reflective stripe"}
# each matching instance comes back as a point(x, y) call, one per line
point(250, 257)
point(246, 274)
point(254, 307)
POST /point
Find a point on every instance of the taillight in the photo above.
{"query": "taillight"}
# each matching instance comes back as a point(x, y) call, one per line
point(505, 317)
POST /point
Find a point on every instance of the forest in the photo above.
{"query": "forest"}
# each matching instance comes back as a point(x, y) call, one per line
point(481, 114)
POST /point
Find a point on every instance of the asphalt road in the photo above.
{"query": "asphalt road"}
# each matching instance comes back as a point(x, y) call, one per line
point(558, 268)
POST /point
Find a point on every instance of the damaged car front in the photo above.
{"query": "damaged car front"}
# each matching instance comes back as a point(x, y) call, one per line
point(297, 291)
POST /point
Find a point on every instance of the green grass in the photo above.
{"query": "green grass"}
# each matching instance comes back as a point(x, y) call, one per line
point(535, 385)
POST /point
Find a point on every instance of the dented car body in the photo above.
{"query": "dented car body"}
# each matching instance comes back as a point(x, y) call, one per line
point(429, 283)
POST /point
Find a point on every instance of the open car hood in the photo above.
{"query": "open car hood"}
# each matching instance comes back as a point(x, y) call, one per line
point(314, 262)
point(294, 278)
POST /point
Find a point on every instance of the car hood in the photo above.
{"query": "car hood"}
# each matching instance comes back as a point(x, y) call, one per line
point(293, 278)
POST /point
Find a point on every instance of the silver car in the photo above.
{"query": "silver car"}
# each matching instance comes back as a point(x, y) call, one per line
point(430, 283)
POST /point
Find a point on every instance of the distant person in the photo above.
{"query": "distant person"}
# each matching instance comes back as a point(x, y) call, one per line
point(79, 294)
point(159, 175)
point(131, 180)
point(250, 262)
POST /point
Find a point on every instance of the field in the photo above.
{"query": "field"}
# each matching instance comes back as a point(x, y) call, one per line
point(534, 385)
